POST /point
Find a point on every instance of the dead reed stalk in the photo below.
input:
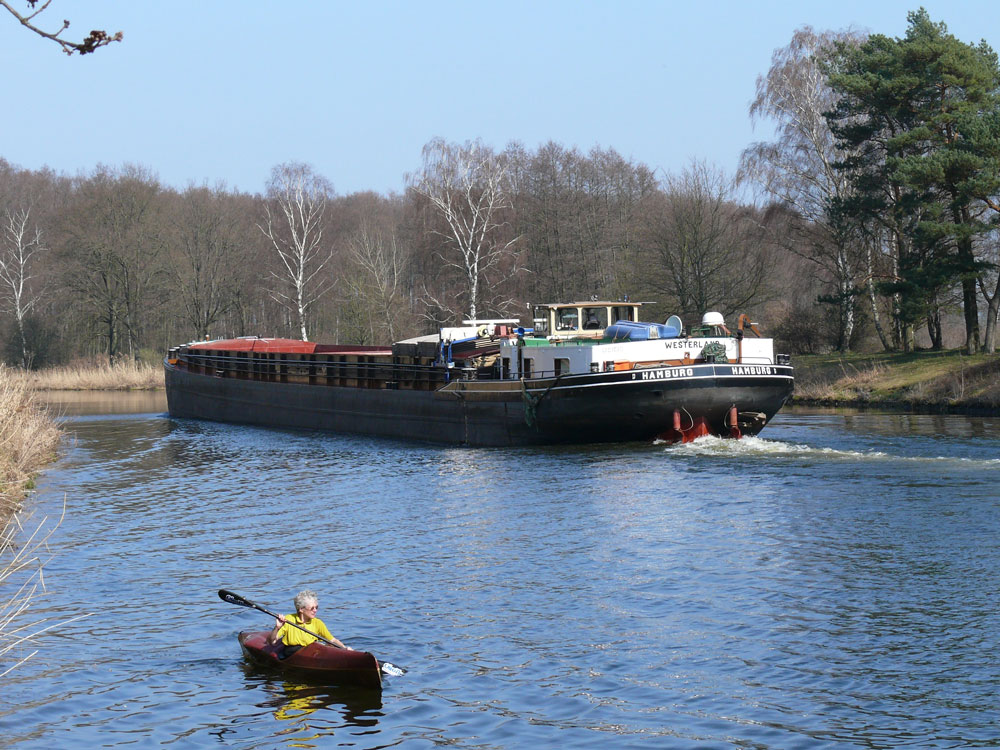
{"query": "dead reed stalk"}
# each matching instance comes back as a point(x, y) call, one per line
point(22, 561)
point(122, 375)
point(28, 440)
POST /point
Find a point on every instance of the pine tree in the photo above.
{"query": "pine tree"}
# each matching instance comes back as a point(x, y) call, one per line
point(913, 110)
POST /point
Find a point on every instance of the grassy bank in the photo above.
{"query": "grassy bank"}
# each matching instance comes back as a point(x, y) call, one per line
point(922, 381)
point(28, 440)
point(120, 376)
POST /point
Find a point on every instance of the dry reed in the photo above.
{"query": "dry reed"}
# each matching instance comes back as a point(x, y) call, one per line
point(22, 561)
point(122, 375)
point(28, 440)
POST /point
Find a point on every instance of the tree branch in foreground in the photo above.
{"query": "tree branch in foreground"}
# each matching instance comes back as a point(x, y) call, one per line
point(95, 39)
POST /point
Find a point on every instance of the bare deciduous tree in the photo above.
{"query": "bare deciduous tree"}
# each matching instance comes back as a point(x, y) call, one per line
point(469, 187)
point(94, 40)
point(115, 252)
point(798, 168)
point(577, 215)
point(207, 262)
point(19, 243)
point(297, 199)
point(710, 250)
point(989, 286)
point(381, 263)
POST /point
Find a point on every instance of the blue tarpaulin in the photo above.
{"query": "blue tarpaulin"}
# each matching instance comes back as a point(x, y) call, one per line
point(626, 330)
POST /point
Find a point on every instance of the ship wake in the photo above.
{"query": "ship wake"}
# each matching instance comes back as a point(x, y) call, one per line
point(752, 447)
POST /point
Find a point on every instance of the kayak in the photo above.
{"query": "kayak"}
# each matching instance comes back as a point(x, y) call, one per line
point(317, 660)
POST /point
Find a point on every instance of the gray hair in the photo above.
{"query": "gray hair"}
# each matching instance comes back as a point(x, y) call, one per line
point(301, 598)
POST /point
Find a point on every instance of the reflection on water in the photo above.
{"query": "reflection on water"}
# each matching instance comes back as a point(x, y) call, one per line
point(312, 711)
point(900, 423)
point(832, 584)
point(82, 403)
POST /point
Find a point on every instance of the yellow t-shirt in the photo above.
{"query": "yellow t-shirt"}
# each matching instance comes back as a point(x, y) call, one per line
point(294, 637)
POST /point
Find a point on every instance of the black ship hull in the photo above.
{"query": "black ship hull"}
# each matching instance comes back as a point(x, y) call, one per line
point(634, 405)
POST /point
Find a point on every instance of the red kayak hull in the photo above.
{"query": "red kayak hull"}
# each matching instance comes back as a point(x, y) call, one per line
point(317, 660)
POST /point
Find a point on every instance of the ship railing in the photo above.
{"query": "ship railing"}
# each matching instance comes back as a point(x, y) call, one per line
point(354, 370)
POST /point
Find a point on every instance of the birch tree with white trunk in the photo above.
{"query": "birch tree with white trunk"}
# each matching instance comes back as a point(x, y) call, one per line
point(798, 168)
point(297, 199)
point(469, 186)
point(20, 244)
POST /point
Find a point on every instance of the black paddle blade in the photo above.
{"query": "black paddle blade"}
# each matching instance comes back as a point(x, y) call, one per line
point(229, 596)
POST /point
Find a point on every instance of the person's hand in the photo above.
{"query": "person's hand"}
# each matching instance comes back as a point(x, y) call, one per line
point(279, 621)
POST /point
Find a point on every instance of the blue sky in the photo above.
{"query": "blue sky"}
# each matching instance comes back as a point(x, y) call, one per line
point(220, 91)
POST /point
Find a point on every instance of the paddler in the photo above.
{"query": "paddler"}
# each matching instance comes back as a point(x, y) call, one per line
point(306, 605)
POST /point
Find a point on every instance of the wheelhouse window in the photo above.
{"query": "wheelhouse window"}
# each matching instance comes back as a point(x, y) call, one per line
point(541, 321)
point(595, 318)
point(623, 313)
point(568, 319)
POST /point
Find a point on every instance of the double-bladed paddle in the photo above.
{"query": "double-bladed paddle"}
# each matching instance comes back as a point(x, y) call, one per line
point(229, 596)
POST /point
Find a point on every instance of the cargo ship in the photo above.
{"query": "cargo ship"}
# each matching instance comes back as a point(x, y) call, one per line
point(581, 372)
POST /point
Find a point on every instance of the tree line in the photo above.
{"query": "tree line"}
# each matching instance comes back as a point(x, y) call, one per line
point(875, 224)
point(115, 264)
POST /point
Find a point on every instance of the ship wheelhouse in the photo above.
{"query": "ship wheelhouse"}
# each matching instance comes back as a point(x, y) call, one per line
point(581, 319)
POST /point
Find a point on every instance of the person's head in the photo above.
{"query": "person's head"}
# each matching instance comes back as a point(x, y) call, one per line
point(306, 603)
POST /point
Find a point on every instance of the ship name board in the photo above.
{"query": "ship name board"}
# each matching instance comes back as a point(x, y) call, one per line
point(696, 344)
point(687, 372)
point(676, 372)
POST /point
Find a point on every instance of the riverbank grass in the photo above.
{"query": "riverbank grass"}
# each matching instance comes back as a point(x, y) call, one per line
point(28, 440)
point(122, 375)
point(924, 379)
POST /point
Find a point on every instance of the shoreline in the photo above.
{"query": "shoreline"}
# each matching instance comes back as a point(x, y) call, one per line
point(930, 408)
point(929, 382)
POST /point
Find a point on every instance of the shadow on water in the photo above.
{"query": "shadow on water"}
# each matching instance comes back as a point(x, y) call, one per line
point(311, 708)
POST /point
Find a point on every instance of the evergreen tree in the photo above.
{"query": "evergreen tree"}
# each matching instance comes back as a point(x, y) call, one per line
point(907, 109)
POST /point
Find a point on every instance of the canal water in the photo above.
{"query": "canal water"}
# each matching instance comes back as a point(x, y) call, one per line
point(832, 584)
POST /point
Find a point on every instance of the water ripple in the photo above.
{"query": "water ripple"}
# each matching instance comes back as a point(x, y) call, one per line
point(831, 585)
